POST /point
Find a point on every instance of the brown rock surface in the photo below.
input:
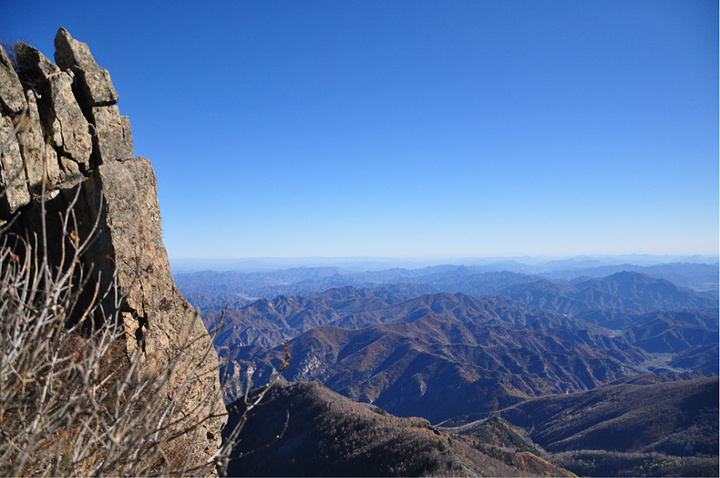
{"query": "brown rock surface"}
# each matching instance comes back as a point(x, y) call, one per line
point(63, 130)
point(93, 81)
point(11, 91)
point(113, 138)
point(40, 158)
point(13, 180)
point(65, 123)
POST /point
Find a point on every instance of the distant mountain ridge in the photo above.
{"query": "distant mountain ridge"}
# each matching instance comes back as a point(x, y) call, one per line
point(623, 293)
point(609, 303)
point(214, 290)
point(270, 322)
point(698, 277)
point(673, 332)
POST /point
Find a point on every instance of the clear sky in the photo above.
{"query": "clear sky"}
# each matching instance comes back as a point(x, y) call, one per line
point(413, 128)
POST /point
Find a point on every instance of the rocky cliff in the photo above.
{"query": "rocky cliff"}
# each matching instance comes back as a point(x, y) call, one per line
point(65, 145)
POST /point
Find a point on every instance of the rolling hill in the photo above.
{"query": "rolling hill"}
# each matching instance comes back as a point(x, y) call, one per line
point(329, 435)
point(652, 428)
point(437, 366)
point(612, 302)
point(270, 322)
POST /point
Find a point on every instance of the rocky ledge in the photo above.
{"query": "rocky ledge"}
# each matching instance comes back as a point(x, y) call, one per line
point(65, 144)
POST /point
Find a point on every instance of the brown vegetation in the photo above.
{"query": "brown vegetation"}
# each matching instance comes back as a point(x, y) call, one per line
point(75, 399)
point(72, 402)
point(330, 435)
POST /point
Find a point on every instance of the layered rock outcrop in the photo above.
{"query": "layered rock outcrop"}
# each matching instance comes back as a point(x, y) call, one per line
point(65, 145)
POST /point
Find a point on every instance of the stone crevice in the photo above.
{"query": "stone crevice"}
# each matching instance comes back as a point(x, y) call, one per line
point(60, 128)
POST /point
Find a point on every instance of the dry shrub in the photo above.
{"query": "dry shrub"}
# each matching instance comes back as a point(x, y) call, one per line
point(73, 402)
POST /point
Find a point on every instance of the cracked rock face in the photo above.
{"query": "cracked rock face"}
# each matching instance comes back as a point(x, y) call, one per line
point(95, 83)
point(61, 130)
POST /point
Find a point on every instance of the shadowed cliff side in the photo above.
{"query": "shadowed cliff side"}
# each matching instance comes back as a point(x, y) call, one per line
point(66, 146)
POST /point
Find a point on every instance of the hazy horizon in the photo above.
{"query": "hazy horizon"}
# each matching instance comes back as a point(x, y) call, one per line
point(414, 128)
point(365, 263)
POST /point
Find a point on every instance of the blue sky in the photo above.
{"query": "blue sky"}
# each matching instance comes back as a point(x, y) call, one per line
point(414, 129)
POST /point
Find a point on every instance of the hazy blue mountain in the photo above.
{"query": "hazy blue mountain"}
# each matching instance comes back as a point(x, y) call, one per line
point(698, 277)
point(605, 300)
point(640, 293)
point(611, 302)
point(214, 290)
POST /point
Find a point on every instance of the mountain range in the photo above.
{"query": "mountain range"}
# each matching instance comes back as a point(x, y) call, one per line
point(495, 352)
point(438, 367)
point(372, 346)
point(610, 302)
point(212, 290)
